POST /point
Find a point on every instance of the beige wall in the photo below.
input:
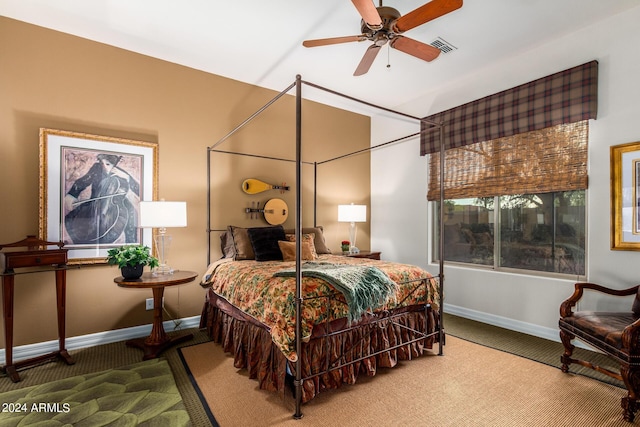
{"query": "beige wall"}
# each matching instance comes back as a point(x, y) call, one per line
point(53, 80)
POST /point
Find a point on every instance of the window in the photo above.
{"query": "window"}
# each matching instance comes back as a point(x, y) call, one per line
point(515, 173)
point(516, 202)
point(541, 232)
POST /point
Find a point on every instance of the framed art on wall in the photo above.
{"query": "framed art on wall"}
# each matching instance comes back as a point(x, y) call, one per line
point(625, 196)
point(90, 189)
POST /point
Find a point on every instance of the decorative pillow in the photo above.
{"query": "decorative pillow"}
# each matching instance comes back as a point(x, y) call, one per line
point(264, 241)
point(288, 250)
point(241, 243)
point(319, 242)
point(227, 247)
point(306, 238)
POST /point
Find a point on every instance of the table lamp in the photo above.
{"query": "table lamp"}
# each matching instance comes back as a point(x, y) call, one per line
point(352, 214)
point(163, 215)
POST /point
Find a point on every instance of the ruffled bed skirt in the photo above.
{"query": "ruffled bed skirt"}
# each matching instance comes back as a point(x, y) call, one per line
point(250, 344)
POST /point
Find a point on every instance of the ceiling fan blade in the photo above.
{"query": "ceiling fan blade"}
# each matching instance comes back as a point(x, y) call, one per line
point(333, 40)
point(367, 60)
point(369, 13)
point(425, 13)
point(415, 48)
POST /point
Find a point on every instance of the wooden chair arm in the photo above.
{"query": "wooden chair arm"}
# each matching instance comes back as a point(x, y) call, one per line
point(568, 304)
point(630, 337)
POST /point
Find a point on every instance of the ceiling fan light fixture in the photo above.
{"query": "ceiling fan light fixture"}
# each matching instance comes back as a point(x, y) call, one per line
point(384, 25)
point(380, 39)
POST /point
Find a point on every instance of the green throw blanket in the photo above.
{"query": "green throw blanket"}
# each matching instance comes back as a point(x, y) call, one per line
point(364, 287)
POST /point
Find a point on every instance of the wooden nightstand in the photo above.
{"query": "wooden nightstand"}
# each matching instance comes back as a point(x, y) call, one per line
point(155, 343)
point(366, 254)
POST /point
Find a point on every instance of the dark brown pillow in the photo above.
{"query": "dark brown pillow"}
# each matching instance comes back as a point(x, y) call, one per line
point(319, 242)
point(264, 241)
point(241, 243)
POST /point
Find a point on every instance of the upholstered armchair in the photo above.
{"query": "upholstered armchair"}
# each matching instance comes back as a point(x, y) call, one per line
point(617, 334)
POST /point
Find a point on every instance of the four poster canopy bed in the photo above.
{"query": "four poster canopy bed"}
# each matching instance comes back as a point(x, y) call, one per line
point(294, 314)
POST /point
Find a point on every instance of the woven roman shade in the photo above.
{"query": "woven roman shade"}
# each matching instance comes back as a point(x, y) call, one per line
point(564, 97)
point(541, 161)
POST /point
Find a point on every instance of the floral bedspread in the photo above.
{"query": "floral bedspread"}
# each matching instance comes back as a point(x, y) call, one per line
point(251, 287)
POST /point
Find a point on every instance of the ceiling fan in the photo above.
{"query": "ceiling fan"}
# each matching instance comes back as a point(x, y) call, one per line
point(384, 24)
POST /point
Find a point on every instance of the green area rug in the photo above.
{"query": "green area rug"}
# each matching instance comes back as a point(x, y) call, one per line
point(141, 394)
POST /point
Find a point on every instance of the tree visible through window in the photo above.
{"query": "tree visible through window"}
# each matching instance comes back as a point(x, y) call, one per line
point(516, 202)
point(542, 232)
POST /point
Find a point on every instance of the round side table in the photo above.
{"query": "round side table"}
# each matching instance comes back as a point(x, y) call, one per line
point(158, 341)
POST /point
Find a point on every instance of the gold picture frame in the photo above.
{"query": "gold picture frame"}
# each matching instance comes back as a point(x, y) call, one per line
point(625, 196)
point(89, 190)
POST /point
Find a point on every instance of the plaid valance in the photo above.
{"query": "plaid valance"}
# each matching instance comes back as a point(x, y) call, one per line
point(565, 97)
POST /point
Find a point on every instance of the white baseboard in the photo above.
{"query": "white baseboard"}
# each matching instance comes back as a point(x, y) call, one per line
point(511, 324)
point(74, 343)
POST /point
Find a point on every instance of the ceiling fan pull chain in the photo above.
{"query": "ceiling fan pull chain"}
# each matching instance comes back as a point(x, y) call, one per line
point(388, 55)
point(385, 25)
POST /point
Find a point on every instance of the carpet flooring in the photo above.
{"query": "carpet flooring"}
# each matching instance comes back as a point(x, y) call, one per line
point(115, 355)
point(524, 345)
point(471, 385)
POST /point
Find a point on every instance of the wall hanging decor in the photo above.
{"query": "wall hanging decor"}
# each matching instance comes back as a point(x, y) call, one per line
point(625, 197)
point(275, 211)
point(90, 188)
point(255, 186)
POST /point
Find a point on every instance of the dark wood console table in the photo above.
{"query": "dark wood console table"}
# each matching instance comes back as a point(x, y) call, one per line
point(158, 341)
point(35, 259)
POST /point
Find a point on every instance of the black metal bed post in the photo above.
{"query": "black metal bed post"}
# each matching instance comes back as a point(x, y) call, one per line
point(220, 141)
point(298, 380)
point(253, 116)
point(315, 194)
point(298, 225)
point(208, 206)
point(441, 246)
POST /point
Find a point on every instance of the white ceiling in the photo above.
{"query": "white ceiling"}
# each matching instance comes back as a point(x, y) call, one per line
point(260, 41)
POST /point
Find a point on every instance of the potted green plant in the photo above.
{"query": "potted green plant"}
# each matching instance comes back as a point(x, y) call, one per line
point(131, 259)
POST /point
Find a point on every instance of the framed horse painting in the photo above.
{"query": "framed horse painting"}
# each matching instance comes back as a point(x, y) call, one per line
point(90, 190)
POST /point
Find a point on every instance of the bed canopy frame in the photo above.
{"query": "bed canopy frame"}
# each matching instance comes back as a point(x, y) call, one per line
point(430, 127)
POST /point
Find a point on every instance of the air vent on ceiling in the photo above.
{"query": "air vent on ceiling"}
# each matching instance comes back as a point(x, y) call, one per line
point(443, 45)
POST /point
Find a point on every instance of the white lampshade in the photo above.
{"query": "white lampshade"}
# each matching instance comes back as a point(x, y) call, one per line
point(352, 213)
point(161, 214)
